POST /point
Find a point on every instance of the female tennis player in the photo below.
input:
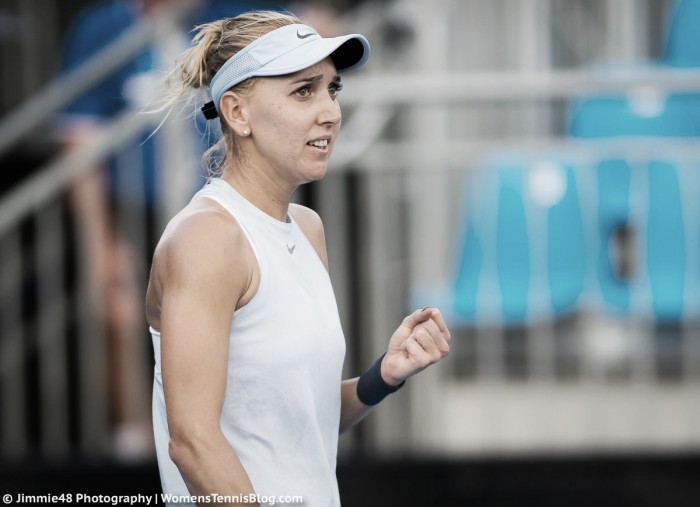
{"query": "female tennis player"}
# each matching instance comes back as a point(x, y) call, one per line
point(248, 399)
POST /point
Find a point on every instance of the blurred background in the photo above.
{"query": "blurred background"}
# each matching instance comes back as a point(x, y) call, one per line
point(531, 167)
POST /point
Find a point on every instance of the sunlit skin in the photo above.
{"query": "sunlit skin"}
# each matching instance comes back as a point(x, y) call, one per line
point(284, 115)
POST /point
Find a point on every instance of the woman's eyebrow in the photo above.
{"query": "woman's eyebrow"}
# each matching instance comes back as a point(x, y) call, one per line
point(307, 79)
point(313, 79)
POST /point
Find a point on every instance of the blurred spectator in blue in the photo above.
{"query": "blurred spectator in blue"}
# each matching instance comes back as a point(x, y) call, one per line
point(118, 210)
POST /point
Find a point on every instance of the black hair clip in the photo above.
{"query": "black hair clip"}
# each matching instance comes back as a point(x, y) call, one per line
point(209, 110)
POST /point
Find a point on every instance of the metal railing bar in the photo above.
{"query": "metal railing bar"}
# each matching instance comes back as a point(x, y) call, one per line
point(14, 425)
point(51, 338)
point(63, 90)
point(434, 88)
point(92, 363)
point(451, 154)
point(57, 174)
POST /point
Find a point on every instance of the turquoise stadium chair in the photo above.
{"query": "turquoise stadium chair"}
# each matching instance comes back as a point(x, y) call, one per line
point(665, 242)
point(519, 260)
point(613, 186)
point(566, 248)
point(661, 231)
point(677, 115)
point(682, 47)
point(496, 253)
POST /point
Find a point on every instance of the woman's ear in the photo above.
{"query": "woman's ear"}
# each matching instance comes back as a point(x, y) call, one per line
point(234, 112)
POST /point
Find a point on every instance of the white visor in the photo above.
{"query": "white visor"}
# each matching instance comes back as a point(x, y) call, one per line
point(287, 50)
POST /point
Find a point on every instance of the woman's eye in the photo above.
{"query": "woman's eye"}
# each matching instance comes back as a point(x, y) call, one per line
point(303, 92)
point(335, 89)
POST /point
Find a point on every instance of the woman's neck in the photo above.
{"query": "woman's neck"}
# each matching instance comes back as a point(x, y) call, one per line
point(264, 192)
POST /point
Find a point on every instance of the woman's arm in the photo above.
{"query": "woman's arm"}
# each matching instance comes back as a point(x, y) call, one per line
point(204, 269)
point(422, 339)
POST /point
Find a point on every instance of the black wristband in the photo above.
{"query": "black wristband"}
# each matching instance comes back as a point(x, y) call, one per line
point(371, 388)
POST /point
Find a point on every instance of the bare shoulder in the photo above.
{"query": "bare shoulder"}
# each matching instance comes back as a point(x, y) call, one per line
point(203, 250)
point(201, 237)
point(311, 225)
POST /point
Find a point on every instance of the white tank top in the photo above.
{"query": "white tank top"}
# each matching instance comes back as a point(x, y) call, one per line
point(281, 413)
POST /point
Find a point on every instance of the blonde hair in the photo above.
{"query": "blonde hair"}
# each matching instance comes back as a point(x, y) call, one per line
point(213, 44)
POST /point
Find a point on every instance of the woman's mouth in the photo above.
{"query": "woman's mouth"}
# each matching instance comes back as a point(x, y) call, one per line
point(319, 143)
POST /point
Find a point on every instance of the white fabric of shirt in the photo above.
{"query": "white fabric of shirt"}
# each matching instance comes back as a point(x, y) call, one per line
point(281, 412)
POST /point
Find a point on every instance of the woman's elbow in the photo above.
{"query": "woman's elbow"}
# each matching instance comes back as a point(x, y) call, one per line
point(185, 446)
point(179, 450)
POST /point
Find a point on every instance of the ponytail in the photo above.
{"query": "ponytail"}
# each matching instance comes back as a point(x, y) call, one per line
point(212, 45)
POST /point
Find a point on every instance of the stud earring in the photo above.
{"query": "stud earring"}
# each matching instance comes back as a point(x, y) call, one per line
point(246, 132)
